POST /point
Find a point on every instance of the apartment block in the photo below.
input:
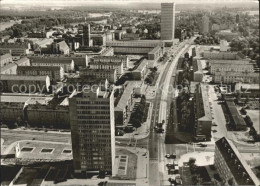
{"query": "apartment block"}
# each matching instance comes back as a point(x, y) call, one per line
point(15, 49)
point(116, 58)
point(109, 74)
point(203, 118)
point(231, 166)
point(55, 73)
point(93, 131)
point(234, 77)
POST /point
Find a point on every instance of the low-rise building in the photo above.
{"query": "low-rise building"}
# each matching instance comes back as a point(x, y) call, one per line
point(203, 118)
point(222, 55)
point(155, 53)
point(99, 63)
point(123, 106)
point(24, 84)
point(248, 90)
point(56, 73)
point(230, 66)
point(140, 72)
point(231, 166)
point(117, 58)
point(109, 74)
point(5, 59)
point(62, 60)
point(236, 120)
point(15, 49)
point(234, 77)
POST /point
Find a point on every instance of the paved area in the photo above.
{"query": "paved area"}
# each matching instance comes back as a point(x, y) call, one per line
point(254, 115)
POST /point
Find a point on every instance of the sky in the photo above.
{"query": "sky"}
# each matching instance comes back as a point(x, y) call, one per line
point(75, 2)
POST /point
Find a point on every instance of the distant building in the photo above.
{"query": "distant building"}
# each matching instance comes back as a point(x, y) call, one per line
point(167, 21)
point(230, 66)
point(231, 166)
point(109, 74)
point(78, 60)
point(37, 34)
point(203, 119)
point(93, 131)
point(60, 48)
point(234, 77)
point(236, 120)
point(5, 59)
point(55, 73)
point(98, 63)
point(130, 36)
point(222, 55)
point(24, 84)
point(205, 25)
point(15, 49)
point(86, 35)
point(227, 35)
point(224, 46)
point(115, 58)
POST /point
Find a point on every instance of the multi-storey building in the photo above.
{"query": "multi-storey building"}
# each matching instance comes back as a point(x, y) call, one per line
point(60, 48)
point(205, 25)
point(24, 84)
point(167, 21)
point(234, 77)
point(77, 60)
point(86, 35)
point(140, 72)
point(16, 49)
point(117, 58)
point(93, 131)
point(155, 53)
point(230, 66)
point(11, 67)
point(203, 119)
point(123, 106)
point(222, 55)
point(55, 73)
point(97, 64)
point(109, 74)
point(231, 167)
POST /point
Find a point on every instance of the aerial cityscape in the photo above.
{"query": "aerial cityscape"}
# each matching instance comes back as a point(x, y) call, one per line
point(129, 93)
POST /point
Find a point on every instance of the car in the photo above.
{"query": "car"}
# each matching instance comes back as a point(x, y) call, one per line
point(169, 165)
point(203, 145)
point(171, 180)
point(214, 124)
point(170, 156)
point(178, 181)
point(167, 156)
point(214, 131)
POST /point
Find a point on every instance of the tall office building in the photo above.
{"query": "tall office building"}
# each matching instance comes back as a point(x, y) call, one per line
point(92, 130)
point(205, 25)
point(167, 21)
point(86, 35)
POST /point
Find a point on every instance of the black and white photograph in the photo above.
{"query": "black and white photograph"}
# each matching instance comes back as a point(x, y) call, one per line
point(129, 92)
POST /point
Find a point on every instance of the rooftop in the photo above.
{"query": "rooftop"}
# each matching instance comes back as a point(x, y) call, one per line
point(22, 78)
point(229, 62)
point(14, 45)
point(155, 49)
point(204, 94)
point(226, 147)
point(26, 68)
point(38, 100)
point(22, 60)
point(5, 56)
point(237, 118)
point(125, 97)
point(141, 66)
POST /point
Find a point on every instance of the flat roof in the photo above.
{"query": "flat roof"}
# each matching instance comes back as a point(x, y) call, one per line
point(141, 66)
point(235, 62)
point(125, 97)
point(22, 78)
point(204, 93)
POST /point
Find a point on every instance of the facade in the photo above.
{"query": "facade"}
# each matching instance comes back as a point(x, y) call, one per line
point(66, 63)
point(234, 77)
point(205, 25)
point(15, 49)
point(60, 48)
point(123, 106)
point(97, 64)
point(231, 166)
point(109, 74)
point(197, 70)
point(167, 21)
point(55, 73)
point(98, 39)
point(117, 58)
point(11, 67)
point(234, 66)
point(140, 72)
point(86, 35)
point(203, 119)
point(24, 84)
point(134, 47)
point(79, 60)
point(5, 59)
point(155, 53)
point(236, 120)
point(222, 55)
point(93, 131)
